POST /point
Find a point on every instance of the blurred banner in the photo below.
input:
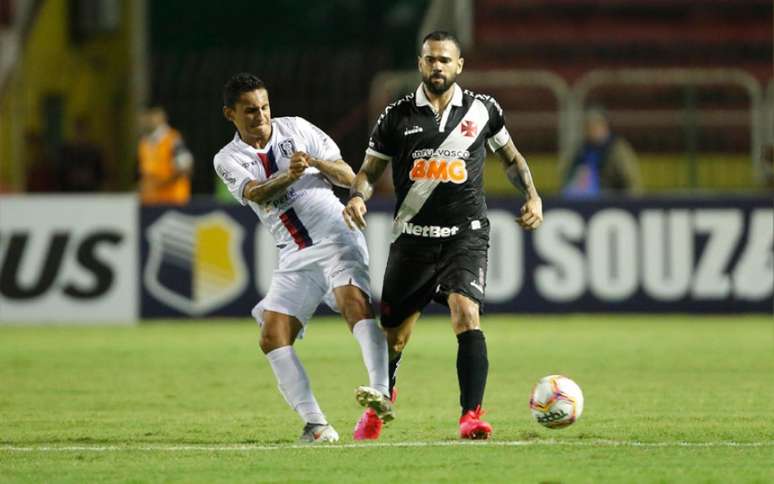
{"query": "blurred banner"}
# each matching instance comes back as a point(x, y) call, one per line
point(648, 255)
point(68, 259)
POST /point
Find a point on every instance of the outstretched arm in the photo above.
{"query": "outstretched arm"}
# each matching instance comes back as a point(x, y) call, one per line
point(362, 189)
point(517, 171)
point(261, 192)
point(338, 171)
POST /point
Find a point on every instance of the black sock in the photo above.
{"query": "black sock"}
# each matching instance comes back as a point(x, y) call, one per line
point(472, 368)
point(393, 369)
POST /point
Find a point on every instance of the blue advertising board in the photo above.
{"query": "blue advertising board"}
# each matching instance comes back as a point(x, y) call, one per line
point(691, 255)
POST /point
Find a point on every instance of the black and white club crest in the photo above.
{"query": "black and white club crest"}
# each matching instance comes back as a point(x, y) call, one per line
point(287, 148)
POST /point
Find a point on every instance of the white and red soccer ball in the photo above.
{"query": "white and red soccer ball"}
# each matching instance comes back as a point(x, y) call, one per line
point(556, 402)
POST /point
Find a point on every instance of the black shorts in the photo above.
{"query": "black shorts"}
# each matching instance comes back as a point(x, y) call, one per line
point(420, 271)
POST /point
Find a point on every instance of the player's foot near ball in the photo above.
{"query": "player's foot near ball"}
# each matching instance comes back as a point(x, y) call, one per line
point(373, 399)
point(472, 427)
point(318, 433)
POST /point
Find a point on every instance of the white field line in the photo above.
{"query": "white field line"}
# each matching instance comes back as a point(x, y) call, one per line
point(451, 443)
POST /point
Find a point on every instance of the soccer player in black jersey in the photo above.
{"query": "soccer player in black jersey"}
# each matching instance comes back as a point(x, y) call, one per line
point(436, 141)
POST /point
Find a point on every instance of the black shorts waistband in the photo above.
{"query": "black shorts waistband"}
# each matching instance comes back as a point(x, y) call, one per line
point(440, 232)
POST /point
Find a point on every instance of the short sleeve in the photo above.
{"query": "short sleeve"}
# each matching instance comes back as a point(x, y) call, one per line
point(233, 175)
point(382, 141)
point(319, 144)
point(497, 133)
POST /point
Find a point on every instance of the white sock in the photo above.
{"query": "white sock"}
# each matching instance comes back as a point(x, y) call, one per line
point(294, 384)
point(373, 345)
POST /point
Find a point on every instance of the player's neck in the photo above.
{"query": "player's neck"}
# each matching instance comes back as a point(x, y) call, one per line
point(439, 101)
point(255, 141)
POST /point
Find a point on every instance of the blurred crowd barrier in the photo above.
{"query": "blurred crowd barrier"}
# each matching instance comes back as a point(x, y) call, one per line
point(694, 99)
point(107, 259)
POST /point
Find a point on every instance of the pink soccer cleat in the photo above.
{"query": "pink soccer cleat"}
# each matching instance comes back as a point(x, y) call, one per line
point(472, 427)
point(369, 427)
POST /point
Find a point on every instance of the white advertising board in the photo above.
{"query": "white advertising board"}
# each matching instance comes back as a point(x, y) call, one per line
point(68, 259)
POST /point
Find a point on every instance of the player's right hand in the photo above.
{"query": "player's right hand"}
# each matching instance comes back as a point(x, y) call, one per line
point(354, 213)
point(298, 164)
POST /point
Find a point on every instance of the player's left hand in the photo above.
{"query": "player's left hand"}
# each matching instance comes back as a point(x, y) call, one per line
point(298, 164)
point(531, 214)
point(310, 161)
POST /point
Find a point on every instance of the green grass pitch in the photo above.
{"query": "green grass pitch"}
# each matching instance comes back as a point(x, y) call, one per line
point(668, 399)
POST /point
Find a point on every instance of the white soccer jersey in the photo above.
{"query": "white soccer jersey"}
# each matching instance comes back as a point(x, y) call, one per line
point(308, 212)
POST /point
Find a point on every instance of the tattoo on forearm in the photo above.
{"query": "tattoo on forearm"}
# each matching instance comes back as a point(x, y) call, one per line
point(269, 189)
point(338, 172)
point(373, 171)
point(362, 185)
point(519, 175)
point(369, 174)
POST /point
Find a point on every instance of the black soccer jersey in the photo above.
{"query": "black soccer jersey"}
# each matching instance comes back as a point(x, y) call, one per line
point(438, 159)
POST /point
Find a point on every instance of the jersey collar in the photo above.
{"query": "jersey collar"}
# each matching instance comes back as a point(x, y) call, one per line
point(456, 100)
point(252, 149)
point(421, 97)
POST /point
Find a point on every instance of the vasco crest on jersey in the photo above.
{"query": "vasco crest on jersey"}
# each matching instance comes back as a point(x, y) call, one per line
point(469, 129)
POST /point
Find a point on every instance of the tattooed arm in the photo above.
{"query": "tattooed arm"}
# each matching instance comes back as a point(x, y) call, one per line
point(362, 189)
point(261, 192)
point(518, 173)
point(337, 171)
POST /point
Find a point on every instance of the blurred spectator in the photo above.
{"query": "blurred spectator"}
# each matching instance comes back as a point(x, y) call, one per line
point(41, 169)
point(604, 164)
point(81, 162)
point(165, 162)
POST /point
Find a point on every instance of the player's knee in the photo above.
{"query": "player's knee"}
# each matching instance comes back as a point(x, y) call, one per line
point(354, 305)
point(356, 309)
point(270, 341)
point(464, 314)
point(267, 344)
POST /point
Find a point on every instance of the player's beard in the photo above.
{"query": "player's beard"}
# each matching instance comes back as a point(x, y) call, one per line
point(441, 88)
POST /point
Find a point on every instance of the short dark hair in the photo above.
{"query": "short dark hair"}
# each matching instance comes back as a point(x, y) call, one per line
point(438, 35)
point(238, 85)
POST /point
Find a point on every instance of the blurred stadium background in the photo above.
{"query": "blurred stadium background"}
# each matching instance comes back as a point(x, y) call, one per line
point(689, 84)
point(703, 126)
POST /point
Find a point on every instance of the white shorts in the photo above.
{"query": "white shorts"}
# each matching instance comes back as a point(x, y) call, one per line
point(307, 277)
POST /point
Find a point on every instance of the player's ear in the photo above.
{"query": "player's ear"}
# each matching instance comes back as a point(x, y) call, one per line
point(228, 113)
point(419, 63)
point(459, 65)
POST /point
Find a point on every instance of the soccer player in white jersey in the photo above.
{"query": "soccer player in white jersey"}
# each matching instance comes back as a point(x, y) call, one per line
point(283, 169)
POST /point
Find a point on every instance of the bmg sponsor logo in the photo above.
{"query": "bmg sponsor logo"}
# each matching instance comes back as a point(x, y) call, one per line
point(453, 171)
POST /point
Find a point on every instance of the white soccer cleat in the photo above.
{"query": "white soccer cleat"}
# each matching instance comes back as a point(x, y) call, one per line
point(319, 433)
point(372, 398)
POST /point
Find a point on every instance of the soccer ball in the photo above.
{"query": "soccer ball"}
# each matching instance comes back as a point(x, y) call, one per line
point(556, 402)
